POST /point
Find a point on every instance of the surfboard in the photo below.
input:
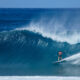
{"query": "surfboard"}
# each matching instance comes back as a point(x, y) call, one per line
point(61, 61)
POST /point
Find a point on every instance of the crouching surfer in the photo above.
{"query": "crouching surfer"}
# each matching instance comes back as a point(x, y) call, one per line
point(59, 55)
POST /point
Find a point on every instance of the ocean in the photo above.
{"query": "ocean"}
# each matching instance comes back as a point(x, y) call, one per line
point(31, 38)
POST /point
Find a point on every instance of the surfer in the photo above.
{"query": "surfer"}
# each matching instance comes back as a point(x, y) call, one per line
point(59, 55)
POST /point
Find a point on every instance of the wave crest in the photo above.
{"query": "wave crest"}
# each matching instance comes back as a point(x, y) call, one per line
point(71, 37)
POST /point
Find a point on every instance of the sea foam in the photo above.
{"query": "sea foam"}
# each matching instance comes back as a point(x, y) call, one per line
point(60, 36)
point(38, 78)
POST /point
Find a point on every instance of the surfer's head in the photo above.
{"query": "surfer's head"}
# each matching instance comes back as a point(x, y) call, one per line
point(60, 53)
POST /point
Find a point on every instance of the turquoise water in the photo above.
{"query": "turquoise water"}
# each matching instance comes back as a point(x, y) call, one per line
point(30, 40)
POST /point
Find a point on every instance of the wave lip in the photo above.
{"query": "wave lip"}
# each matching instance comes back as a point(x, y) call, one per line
point(72, 38)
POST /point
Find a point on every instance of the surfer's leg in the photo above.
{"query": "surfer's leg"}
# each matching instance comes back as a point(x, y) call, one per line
point(58, 58)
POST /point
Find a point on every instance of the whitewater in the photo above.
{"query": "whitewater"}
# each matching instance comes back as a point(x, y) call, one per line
point(38, 78)
point(71, 37)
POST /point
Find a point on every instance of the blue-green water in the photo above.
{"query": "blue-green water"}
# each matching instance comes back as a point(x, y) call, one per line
point(30, 40)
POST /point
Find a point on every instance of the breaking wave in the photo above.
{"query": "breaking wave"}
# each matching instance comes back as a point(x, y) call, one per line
point(31, 38)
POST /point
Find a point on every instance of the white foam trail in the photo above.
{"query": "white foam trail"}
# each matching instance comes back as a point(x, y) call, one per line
point(74, 59)
point(38, 78)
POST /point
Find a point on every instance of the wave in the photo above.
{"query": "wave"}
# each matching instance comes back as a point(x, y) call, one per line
point(61, 25)
point(35, 47)
point(31, 53)
point(29, 43)
point(60, 36)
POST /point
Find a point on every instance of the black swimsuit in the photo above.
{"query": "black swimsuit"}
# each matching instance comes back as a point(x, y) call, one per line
point(60, 56)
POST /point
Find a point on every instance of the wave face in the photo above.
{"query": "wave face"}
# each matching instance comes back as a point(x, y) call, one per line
point(31, 38)
point(31, 53)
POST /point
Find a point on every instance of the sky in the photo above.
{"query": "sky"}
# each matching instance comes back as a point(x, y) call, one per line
point(39, 3)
